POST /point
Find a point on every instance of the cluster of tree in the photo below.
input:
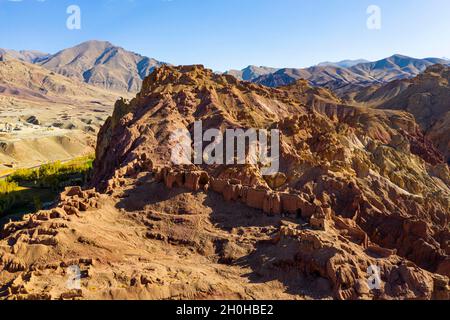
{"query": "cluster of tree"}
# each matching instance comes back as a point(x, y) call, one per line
point(54, 175)
point(24, 186)
point(9, 195)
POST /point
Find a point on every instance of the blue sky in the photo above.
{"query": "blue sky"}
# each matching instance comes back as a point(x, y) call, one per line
point(225, 34)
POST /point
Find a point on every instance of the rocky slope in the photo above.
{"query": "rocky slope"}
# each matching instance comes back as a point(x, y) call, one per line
point(42, 111)
point(29, 81)
point(396, 67)
point(426, 97)
point(357, 187)
point(103, 65)
point(30, 56)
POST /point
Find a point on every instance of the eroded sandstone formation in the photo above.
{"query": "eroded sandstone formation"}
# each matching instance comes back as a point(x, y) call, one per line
point(357, 188)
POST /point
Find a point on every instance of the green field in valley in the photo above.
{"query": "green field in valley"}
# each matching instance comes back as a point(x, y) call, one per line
point(29, 190)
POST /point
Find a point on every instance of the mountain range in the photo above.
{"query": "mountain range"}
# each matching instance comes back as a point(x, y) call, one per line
point(31, 56)
point(343, 63)
point(363, 74)
point(111, 67)
point(251, 72)
point(99, 63)
point(426, 97)
point(102, 64)
point(26, 81)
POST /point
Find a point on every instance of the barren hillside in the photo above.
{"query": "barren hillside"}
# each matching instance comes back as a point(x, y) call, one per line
point(426, 97)
point(357, 187)
point(42, 111)
point(102, 64)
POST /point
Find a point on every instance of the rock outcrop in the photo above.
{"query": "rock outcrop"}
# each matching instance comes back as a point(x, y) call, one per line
point(345, 158)
point(357, 189)
point(426, 97)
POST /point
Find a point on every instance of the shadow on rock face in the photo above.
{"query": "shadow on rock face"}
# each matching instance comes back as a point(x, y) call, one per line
point(227, 233)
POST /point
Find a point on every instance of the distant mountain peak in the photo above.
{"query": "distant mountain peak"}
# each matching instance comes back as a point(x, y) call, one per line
point(102, 64)
point(31, 56)
point(343, 63)
point(251, 72)
point(340, 79)
point(400, 56)
point(95, 43)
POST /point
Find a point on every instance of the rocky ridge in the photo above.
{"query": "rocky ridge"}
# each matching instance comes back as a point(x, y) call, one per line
point(357, 187)
point(102, 64)
point(354, 77)
point(426, 97)
point(347, 157)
